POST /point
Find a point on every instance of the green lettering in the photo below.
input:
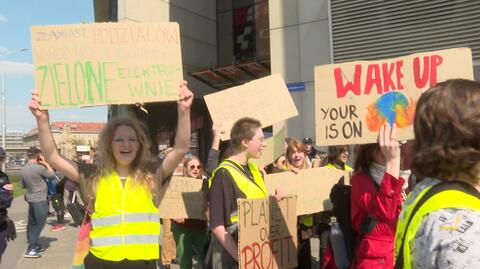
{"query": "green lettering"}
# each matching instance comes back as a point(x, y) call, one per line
point(146, 72)
point(136, 72)
point(121, 73)
point(150, 87)
point(69, 86)
point(106, 80)
point(134, 90)
point(42, 85)
point(78, 66)
point(95, 78)
point(170, 89)
point(53, 71)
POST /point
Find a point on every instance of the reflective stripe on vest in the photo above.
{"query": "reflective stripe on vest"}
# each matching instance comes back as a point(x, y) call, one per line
point(441, 200)
point(128, 217)
point(127, 239)
point(125, 222)
point(255, 189)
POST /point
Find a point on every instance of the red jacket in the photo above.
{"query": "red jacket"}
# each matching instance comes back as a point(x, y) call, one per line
point(376, 250)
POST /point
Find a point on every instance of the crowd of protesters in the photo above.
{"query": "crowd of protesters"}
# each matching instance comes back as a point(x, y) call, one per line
point(432, 222)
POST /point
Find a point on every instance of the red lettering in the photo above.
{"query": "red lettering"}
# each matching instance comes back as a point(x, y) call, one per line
point(246, 250)
point(435, 61)
point(399, 72)
point(387, 71)
point(421, 80)
point(256, 254)
point(373, 78)
point(343, 88)
point(265, 255)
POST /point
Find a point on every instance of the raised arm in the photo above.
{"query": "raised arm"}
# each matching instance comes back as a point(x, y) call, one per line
point(214, 153)
point(47, 143)
point(387, 138)
point(182, 138)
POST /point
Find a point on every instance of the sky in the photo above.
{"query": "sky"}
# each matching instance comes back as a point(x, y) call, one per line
point(16, 17)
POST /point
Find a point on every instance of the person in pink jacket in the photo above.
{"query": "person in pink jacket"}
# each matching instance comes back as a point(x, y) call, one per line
point(377, 195)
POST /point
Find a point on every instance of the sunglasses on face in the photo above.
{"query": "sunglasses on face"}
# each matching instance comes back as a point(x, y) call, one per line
point(195, 166)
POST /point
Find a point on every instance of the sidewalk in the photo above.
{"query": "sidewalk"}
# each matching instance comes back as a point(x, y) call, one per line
point(60, 248)
point(59, 245)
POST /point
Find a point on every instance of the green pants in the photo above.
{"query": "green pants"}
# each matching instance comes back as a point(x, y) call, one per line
point(189, 242)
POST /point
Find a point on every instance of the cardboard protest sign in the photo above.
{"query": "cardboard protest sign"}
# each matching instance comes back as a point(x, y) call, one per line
point(275, 147)
point(106, 63)
point(266, 99)
point(311, 186)
point(267, 233)
point(352, 100)
point(182, 198)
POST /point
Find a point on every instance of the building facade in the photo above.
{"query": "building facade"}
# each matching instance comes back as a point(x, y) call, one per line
point(69, 136)
point(229, 42)
point(14, 144)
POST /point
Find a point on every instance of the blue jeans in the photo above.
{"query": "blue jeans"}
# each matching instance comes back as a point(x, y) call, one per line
point(37, 217)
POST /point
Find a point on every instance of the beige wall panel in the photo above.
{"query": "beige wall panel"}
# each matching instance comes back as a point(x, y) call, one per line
point(224, 5)
point(201, 28)
point(145, 10)
point(282, 13)
point(308, 110)
point(178, 3)
point(225, 37)
point(205, 8)
point(312, 10)
point(198, 53)
point(197, 20)
point(284, 51)
point(314, 47)
point(295, 124)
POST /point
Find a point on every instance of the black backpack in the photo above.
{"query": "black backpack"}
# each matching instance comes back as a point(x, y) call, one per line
point(340, 196)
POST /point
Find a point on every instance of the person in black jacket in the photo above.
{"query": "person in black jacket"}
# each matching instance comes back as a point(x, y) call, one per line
point(7, 227)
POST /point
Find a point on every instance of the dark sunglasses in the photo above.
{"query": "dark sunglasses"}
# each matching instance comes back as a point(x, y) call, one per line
point(193, 167)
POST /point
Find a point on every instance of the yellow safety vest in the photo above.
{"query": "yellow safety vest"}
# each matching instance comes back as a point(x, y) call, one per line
point(347, 167)
point(125, 223)
point(444, 199)
point(251, 189)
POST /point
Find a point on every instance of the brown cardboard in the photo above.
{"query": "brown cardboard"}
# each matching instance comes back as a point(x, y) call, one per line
point(182, 198)
point(267, 233)
point(349, 115)
point(266, 99)
point(106, 63)
point(311, 186)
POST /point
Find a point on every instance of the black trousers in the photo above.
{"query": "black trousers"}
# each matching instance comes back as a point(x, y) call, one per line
point(92, 262)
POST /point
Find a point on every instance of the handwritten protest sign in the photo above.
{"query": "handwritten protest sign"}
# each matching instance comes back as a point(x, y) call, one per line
point(182, 198)
point(352, 100)
point(266, 99)
point(106, 63)
point(267, 233)
point(275, 147)
point(311, 186)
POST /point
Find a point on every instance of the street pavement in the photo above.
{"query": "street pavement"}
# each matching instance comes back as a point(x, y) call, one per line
point(60, 245)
